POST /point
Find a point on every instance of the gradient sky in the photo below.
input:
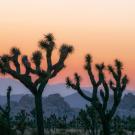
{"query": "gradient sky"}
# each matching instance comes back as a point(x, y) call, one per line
point(104, 28)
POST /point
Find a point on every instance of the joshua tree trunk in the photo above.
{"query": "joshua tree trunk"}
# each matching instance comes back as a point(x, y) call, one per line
point(106, 128)
point(39, 114)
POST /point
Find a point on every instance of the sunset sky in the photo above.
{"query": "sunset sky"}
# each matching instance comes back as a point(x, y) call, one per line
point(103, 28)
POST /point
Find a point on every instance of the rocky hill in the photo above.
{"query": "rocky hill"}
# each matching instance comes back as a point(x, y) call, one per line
point(51, 104)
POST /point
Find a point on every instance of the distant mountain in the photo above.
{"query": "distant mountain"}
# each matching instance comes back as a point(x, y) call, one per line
point(128, 102)
point(76, 101)
point(126, 107)
point(19, 88)
point(2, 100)
point(69, 105)
point(58, 88)
point(14, 98)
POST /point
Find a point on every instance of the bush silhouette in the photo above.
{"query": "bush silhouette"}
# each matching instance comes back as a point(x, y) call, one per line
point(22, 121)
point(89, 120)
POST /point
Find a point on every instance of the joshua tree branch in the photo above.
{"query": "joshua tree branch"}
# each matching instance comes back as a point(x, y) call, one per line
point(91, 76)
point(76, 86)
point(57, 69)
point(111, 69)
point(49, 59)
point(22, 78)
point(106, 98)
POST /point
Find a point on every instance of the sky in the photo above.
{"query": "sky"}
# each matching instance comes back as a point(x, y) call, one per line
point(103, 28)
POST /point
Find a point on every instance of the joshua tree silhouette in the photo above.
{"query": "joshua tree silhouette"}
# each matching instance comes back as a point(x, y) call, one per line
point(117, 85)
point(43, 75)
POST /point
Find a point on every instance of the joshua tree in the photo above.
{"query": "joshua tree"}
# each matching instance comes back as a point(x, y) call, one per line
point(6, 111)
point(22, 121)
point(117, 85)
point(10, 64)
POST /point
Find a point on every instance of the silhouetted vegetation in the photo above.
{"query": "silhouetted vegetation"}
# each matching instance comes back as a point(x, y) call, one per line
point(22, 121)
point(89, 120)
point(5, 113)
point(130, 124)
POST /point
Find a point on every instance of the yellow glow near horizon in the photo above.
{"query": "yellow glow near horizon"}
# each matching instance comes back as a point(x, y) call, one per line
point(104, 28)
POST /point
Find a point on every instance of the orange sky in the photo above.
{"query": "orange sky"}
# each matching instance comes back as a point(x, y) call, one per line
point(104, 28)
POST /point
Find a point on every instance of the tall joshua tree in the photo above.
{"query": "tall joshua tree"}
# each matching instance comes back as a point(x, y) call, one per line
point(43, 74)
point(6, 111)
point(117, 84)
